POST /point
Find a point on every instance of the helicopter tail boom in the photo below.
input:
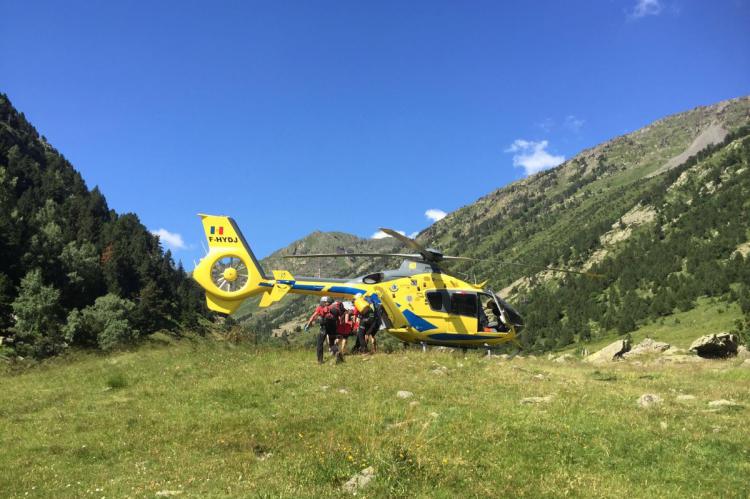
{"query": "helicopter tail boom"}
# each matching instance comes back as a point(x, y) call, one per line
point(230, 273)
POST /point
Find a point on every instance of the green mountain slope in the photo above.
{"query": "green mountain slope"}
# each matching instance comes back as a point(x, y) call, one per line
point(661, 212)
point(62, 249)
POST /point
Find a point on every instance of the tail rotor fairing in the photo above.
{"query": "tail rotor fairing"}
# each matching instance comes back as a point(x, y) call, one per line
point(229, 273)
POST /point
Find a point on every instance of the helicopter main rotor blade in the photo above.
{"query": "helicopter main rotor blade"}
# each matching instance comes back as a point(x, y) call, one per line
point(404, 239)
point(426, 254)
point(346, 255)
point(516, 264)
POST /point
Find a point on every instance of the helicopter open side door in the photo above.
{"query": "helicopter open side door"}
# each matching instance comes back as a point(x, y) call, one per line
point(508, 314)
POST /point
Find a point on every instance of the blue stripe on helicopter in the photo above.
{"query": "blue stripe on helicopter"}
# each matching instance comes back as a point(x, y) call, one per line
point(417, 322)
point(459, 337)
point(265, 284)
point(307, 287)
point(285, 281)
point(345, 290)
point(374, 299)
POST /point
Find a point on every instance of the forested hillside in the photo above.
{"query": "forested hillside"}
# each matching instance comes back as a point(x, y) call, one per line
point(660, 213)
point(72, 271)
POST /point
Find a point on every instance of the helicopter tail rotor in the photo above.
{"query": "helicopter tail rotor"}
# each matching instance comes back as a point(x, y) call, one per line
point(229, 272)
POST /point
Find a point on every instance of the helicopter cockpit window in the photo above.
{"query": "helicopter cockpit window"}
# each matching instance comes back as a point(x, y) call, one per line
point(435, 298)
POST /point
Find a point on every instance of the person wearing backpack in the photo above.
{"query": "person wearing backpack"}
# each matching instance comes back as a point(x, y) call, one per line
point(336, 340)
point(327, 321)
point(368, 324)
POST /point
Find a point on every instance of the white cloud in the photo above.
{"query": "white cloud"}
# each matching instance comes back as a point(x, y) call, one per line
point(414, 234)
point(172, 240)
point(645, 8)
point(574, 123)
point(435, 214)
point(533, 156)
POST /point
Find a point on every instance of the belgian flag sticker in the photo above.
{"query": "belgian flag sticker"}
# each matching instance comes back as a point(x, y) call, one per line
point(213, 230)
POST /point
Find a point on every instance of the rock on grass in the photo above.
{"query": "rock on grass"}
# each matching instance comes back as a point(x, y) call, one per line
point(360, 480)
point(645, 347)
point(613, 351)
point(715, 345)
point(403, 394)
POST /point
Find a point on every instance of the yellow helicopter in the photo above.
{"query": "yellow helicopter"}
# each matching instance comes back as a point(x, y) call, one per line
point(422, 304)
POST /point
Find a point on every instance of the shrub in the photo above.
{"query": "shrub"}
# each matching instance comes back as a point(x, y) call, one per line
point(105, 324)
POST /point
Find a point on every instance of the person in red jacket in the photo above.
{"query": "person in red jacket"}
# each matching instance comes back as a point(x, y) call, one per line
point(339, 339)
point(327, 319)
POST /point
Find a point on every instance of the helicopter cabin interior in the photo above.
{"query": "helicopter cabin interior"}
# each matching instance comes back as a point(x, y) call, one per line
point(464, 312)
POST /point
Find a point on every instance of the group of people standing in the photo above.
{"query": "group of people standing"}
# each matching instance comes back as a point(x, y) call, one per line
point(339, 320)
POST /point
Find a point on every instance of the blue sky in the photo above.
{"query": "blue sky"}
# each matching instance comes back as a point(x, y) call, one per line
point(302, 116)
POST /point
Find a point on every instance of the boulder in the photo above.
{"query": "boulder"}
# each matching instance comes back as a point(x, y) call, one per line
point(403, 394)
point(613, 351)
point(647, 346)
point(715, 345)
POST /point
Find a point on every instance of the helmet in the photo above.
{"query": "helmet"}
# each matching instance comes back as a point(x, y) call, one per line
point(325, 299)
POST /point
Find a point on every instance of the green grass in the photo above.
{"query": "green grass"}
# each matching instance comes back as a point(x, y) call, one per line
point(211, 419)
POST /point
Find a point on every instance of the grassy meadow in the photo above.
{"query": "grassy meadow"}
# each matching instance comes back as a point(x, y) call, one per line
point(202, 418)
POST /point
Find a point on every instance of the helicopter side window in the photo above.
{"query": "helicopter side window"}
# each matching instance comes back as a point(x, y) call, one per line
point(453, 302)
point(464, 304)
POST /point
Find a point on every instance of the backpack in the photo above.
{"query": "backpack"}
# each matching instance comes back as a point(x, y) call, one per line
point(335, 310)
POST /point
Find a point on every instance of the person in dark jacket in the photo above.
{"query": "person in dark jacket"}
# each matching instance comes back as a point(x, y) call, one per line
point(327, 321)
